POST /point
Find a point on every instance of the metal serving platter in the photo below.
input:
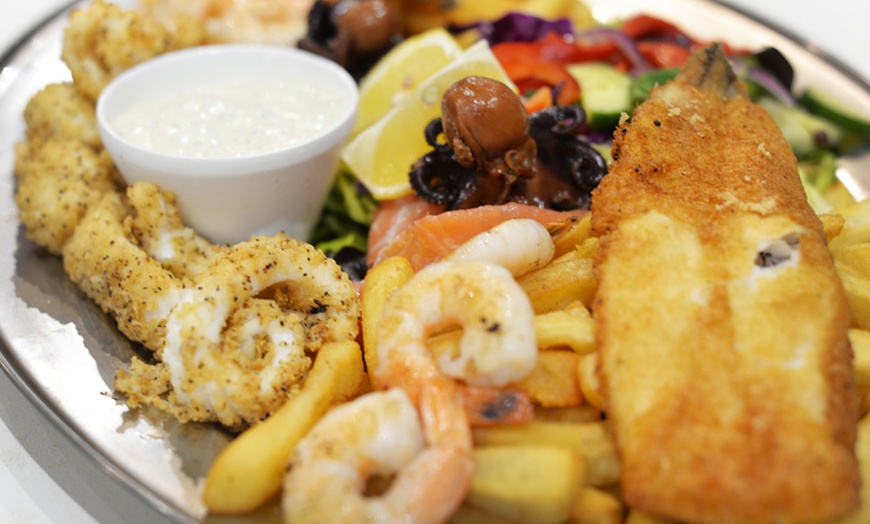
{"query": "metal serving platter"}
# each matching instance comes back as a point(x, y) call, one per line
point(63, 352)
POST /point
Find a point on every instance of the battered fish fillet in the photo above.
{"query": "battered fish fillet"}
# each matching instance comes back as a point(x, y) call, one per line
point(721, 320)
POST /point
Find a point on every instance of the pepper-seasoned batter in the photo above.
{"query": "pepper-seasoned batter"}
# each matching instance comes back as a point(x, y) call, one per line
point(721, 320)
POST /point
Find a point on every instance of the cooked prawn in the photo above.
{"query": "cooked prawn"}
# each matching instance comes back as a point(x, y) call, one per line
point(498, 344)
point(235, 347)
point(376, 435)
point(418, 428)
point(424, 235)
point(519, 245)
point(281, 22)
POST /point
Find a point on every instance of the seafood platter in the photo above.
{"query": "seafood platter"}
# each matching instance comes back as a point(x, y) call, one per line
point(582, 262)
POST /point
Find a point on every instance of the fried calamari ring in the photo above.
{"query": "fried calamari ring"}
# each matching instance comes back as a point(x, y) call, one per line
point(158, 228)
point(58, 180)
point(280, 22)
point(240, 340)
point(102, 40)
point(59, 110)
point(119, 276)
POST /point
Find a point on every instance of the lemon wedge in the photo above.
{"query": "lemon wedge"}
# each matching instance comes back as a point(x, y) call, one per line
point(400, 71)
point(382, 155)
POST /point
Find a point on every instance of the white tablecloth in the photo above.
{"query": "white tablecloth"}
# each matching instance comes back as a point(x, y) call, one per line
point(46, 479)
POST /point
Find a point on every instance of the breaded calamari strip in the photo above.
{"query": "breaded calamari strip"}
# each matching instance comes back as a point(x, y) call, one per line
point(720, 318)
point(60, 110)
point(119, 276)
point(103, 40)
point(159, 230)
point(58, 180)
point(241, 337)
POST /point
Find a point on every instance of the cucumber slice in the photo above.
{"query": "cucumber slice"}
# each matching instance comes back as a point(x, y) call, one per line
point(640, 86)
point(823, 105)
point(801, 128)
point(605, 93)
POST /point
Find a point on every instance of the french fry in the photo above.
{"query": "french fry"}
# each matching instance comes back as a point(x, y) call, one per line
point(553, 381)
point(833, 225)
point(851, 249)
point(444, 343)
point(595, 506)
point(566, 279)
point(572, 327)
point(839, 196)
point(588, 249)
point(590, 381)
point(250, 470)
point(855, 276)
point(381, 281)
point(578, 12)
point(536, 484)
point(572, 236)
point(857, 226)
point(465, 13)
point(860, 339)
point(637, 517)
point(863, 393)
point(591, 440)
point(574, 414)
point(467, 514)
point(862, 449)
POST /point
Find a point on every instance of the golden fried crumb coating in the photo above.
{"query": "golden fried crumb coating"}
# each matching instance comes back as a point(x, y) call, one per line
point(242, 336)
point(58, 180)
point(720, 319)
point(158, 228)
point(102, 40)
point(119, 275)
point(59, 110)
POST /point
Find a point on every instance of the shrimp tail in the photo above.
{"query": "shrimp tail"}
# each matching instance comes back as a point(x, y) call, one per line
point(487, 407)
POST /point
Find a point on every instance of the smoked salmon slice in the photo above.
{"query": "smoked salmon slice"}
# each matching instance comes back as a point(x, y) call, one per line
point(418, 230)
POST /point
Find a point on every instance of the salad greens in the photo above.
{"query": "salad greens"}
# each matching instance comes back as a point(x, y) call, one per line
point(342, 229)
point(649, 52)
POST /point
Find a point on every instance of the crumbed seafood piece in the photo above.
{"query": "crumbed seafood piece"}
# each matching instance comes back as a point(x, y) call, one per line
point(720, 318)
point(240, 339)
point(119, 276)
point(58, 180)
point(159, 230)
point(102, 40)
point(281, 22)
point(60, 110)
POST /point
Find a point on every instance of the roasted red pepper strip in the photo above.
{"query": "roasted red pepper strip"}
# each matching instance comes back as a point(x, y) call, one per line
point(554, 48)
point(664, 54)
point(507, 52)
point(532, 75)
point(645, 26)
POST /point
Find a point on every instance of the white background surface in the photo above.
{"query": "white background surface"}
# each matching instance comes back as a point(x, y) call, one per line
point(44, 478)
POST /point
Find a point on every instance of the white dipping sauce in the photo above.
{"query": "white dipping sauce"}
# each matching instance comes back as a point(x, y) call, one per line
point(233, 119)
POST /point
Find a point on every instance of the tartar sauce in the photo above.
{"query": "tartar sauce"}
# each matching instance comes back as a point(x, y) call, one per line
point(233, 119)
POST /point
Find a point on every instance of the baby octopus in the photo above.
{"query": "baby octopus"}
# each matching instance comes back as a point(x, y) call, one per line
point(494, 152)
point(352, 33)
